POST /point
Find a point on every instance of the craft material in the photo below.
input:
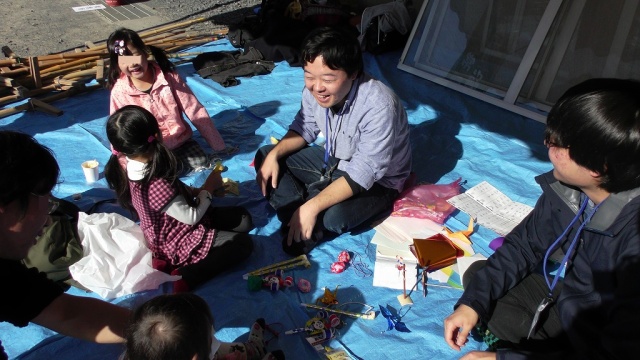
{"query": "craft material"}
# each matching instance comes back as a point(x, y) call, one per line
point(304, 285)
point(394, 320)
point(273, 282)
point(369, 315)
point(329, 298)
point(491, 208)
point(300, 260)
point(403, 298)
point(496, 243)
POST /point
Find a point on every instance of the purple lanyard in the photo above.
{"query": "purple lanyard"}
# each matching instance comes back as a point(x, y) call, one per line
point(549, 299)
point(552, 285)
point(330, 140)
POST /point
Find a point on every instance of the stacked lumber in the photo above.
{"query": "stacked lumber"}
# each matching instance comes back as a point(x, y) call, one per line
point(48, 78)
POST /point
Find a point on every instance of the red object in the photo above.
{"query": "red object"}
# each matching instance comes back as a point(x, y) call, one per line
point(113, 2)
point(338, 267)
point(344, 257)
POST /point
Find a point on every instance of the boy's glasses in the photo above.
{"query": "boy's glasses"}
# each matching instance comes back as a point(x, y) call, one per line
point(53, 204)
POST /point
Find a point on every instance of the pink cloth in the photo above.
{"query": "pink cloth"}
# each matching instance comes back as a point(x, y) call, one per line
point(167, 105)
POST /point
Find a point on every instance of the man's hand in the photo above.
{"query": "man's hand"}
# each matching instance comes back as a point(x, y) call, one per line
point(458, 325)
point(268, 172)
point(301, 224)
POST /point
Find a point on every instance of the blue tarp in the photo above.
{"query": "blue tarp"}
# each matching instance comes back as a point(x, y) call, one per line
point(453, 136)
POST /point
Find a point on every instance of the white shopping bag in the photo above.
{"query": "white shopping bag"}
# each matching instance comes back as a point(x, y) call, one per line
point(116, 260)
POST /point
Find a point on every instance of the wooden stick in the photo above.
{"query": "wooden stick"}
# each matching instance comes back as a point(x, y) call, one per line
point(8, 82)
point(69, 55)
point(52, 98)
point(71, 64)
point(9, 99)
point(368, 315)
point(14, 72)
point(8, 52)
point(70, 70)
point(34, 69)
point(300, 260)
point(165, 28)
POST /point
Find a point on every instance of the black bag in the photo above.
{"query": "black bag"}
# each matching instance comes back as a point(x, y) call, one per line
point(224, 66)
point(59, 245)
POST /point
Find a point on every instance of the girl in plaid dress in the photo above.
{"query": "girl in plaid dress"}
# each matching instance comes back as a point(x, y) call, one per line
point(186, 235)
point(157, 87)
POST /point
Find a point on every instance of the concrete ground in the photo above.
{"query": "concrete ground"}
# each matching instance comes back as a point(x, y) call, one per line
point(34, 28)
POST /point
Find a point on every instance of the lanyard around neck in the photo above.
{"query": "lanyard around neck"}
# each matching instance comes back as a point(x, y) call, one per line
point(331, 138)
point(563, 264)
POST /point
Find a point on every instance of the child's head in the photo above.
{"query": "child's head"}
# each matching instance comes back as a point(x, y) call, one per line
point(598, 122)
point(20, 178)
point(126, 42)
point(133, 131)
point(338, 48)
point(172, 327)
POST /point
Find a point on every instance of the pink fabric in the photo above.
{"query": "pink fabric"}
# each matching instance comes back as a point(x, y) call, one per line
point(168, 108)
point(169, 239)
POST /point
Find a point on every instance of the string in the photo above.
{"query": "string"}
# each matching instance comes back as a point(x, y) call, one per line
point(360, 267)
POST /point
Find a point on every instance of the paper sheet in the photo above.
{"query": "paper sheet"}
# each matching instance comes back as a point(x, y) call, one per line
point(491, 208)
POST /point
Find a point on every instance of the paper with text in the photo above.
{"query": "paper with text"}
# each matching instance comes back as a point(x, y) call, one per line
point(491, 208)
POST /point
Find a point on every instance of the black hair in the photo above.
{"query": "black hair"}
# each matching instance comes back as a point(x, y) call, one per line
point(171, 327)
point(131, 37)
point(339, 49)
point(19, 154)
point(133, 130)
point(598, 121)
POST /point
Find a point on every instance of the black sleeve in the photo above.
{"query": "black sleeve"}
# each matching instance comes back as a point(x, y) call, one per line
point(355, 187)
point(30, 292)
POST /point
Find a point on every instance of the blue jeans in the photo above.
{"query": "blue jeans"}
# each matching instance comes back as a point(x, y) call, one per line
point(301, 178)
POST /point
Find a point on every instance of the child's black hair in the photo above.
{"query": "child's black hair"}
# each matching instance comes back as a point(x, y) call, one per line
point(171, 327)
point(598, 121)
point(20, 177)
point(133, 130)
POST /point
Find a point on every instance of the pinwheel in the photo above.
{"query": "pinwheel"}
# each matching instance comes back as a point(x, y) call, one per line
point(393, 319)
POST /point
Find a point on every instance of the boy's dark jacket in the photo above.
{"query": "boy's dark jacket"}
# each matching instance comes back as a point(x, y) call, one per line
point(599, 305)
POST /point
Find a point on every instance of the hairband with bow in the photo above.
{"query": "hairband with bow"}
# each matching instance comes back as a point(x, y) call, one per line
point(119, 48)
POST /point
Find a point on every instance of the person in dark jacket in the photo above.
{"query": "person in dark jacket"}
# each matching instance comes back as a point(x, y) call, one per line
point(29, 172)
point(586, 303)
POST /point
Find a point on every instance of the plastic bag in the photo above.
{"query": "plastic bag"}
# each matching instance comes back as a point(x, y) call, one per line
point(116, 259)
point(427, 201)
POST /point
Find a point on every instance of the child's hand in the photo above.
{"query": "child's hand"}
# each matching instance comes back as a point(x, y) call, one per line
point(214, 183)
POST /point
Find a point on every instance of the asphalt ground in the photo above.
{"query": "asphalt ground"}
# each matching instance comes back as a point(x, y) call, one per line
point(41, 27)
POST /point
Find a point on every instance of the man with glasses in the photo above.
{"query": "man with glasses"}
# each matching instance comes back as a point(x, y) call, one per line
point(29, 296)
point(585, 306)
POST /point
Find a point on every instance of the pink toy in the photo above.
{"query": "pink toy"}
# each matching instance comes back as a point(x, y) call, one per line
point(304, 285)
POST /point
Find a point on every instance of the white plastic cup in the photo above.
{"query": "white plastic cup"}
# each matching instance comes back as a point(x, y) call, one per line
point(91, 170)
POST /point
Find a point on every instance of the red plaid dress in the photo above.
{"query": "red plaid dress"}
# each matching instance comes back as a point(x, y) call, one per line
point(167, 238)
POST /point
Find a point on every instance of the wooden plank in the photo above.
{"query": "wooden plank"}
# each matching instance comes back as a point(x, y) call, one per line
point(44, 107)
point(34, 69)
